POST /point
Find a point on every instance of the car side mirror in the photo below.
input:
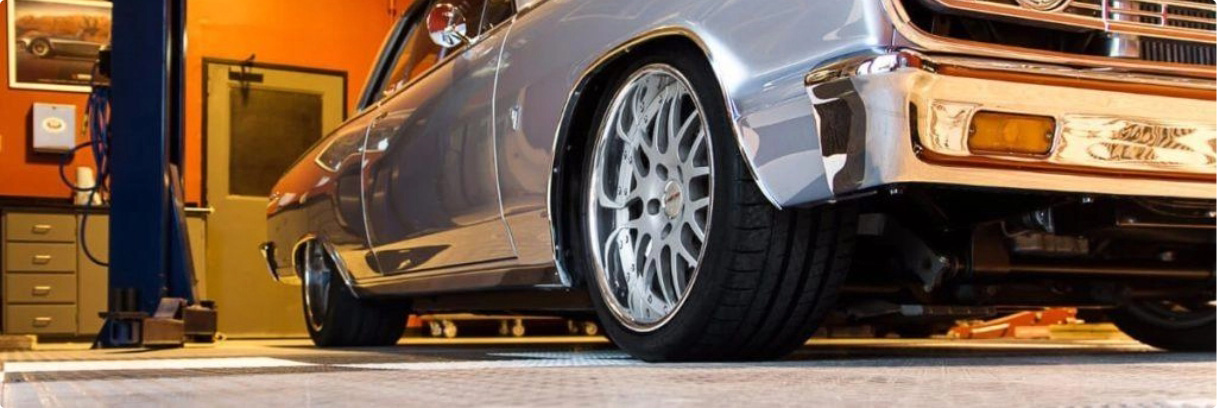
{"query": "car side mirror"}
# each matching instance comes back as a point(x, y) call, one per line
point(446, 24)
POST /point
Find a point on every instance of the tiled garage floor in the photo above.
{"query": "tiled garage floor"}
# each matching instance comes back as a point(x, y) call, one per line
point(573, 372)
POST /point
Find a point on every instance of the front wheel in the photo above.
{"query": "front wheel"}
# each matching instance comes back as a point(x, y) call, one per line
point(1169, 325)
point(335, 317)
point(687, 259)
point(41, 48)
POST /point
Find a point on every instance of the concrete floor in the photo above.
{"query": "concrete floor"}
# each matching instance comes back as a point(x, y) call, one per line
point(581, 372)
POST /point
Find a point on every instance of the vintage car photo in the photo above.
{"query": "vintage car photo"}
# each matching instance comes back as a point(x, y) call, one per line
point(716, 179)
point(56, 42)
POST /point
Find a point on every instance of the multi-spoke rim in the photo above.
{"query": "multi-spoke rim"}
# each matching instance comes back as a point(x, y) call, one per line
point(649, 197)
point(317, 279)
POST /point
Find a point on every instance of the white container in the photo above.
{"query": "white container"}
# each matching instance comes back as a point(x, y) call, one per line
point(86, 179)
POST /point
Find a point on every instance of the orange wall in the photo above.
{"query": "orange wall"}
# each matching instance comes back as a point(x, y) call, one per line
point(23, 173)
point(338, 35)
point(343, 36)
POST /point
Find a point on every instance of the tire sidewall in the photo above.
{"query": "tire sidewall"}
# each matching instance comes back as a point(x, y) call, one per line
point(327, 334)
point(1142, 326)
point(689, 322)
point(44, 43)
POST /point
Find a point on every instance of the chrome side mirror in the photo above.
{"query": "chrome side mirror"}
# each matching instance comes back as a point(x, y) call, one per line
point(446, 24)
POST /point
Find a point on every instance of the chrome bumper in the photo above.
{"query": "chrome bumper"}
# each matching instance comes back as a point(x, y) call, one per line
point(900, 116)
point(267, 249)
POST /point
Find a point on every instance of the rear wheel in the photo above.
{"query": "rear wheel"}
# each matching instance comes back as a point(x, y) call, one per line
point(688, 260)
point(1168, 325)
point(335, 317)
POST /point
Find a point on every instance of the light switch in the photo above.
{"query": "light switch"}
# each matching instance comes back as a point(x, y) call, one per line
point(54, 128)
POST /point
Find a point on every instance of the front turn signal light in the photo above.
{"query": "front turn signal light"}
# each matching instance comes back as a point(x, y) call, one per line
point(1011, 134)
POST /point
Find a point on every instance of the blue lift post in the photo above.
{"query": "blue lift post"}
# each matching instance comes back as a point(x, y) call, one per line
point(146, 262)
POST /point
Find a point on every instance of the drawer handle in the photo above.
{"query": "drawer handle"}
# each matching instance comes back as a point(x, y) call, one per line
point(42, 321)
point(42, 290)
point(42, 259)
point(41, 228)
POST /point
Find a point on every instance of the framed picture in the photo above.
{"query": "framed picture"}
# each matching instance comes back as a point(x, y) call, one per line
point(54, 43)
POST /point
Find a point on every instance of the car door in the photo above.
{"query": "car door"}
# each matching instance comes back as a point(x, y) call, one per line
point(430, 188)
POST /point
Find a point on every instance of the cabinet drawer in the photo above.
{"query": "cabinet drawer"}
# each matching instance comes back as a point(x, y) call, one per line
point(39, 319)
point(40, 227)
point(40, 257)
point(39, 288)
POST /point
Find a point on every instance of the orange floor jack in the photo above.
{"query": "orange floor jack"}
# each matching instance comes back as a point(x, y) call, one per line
point(1021, 325)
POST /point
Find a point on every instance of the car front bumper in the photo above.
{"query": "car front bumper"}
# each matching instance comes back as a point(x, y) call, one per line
point(901, 116)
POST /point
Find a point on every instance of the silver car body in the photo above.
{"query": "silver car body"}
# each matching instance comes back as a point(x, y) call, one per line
point(452, 186)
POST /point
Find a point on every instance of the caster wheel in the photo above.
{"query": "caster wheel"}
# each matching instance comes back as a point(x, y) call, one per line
point(572, 327)
point(517, 329)
point(591, 329)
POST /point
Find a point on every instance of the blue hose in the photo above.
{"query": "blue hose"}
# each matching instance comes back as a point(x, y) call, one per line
point(98, 112)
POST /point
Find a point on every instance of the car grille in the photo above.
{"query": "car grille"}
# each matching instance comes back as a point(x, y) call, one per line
point(1153, 49)
point(1188, 17)
point(1179, 31)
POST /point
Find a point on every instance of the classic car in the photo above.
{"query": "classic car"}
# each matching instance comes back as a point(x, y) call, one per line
point(714, 179)
point(45, 46)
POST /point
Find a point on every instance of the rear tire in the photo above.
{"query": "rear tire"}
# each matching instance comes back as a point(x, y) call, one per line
point(341, 319)
point(1161, 328)
point(766, 278)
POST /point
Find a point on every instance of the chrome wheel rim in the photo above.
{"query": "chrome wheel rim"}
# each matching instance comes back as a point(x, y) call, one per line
point(649, 198)
point(317, 278)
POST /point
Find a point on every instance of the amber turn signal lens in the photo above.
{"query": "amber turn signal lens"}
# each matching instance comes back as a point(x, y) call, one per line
point(1012, 134)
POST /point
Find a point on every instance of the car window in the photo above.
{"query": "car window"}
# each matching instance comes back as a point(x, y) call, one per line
point(384, 60)
point(496, 12)
point(418, 53)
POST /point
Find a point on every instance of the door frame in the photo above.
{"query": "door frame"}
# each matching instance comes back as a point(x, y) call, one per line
point(208, 61)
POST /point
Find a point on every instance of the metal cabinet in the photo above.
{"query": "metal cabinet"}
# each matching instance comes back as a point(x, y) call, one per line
point(40, 279)
point(49, 286)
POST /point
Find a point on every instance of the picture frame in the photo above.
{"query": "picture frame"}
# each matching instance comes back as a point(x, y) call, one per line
point(53, 44)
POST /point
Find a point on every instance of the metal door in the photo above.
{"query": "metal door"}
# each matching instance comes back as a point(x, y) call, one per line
point(258, 120)
point(430, 184)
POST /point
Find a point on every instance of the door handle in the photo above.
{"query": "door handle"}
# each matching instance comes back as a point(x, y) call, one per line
point(42, 259)
point(42, 321)
point(41, 228)
point(42, 290)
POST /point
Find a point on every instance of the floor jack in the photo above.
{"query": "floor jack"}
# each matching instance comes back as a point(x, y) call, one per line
point(1022, 325)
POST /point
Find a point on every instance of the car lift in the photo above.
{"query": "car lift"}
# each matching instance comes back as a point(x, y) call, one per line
point(152, 297)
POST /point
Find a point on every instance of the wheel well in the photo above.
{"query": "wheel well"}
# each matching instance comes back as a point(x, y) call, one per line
point(298, 253)
point(573, 142)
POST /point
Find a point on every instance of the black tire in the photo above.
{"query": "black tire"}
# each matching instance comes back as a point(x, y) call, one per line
point(41, 48)
point(350, 321)
point(768, 277)
point(1152, 327)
